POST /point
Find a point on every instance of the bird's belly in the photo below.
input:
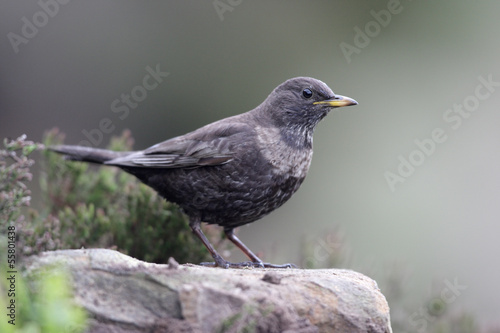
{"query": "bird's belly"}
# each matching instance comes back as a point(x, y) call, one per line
point(227, 195)
point(238, 205)
point(251, 193)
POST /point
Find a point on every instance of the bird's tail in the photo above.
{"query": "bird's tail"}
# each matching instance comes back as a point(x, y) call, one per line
point(87, 154)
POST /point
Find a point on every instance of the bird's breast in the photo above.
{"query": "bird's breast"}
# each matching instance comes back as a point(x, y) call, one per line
point(286, 160)
point(291, 164)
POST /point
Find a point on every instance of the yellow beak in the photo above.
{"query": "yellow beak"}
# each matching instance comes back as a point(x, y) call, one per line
point(338, 101)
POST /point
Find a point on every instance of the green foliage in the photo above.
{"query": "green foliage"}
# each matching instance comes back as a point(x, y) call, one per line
point(43, 303)
point(101, 206)
point(46, 308)
point(14, 173)
point(90, 206)
point(98, 206)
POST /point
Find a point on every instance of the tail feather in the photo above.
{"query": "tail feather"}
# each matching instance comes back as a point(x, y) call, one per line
point(87, 154)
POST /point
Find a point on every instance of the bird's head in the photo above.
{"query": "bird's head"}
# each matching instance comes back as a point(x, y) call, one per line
point(300, 103)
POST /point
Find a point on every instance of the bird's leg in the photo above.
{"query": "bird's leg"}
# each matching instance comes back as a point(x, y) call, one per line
point(236, 241)
point(219, 261)
point(255, 261)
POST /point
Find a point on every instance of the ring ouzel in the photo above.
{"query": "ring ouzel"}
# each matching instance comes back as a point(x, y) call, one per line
point(236, 170)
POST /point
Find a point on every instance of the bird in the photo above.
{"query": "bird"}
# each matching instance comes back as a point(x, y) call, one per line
point(236, 170)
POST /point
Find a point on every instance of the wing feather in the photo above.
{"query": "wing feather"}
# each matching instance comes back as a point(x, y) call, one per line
point(213, 144)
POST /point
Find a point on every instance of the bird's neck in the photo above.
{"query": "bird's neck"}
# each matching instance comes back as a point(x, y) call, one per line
point(298, 136)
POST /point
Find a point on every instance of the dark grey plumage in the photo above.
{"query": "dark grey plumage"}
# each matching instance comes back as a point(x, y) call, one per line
point(238, 169)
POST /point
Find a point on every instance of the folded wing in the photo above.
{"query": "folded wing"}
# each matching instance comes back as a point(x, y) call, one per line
point(211, 145)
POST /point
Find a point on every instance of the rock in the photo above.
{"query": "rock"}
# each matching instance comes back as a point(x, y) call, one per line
point(123, 294)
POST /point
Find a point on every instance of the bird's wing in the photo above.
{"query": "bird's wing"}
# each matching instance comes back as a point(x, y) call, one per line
point(211, 145)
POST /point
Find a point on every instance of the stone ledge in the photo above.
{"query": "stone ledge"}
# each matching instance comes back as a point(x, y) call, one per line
point(123, 294)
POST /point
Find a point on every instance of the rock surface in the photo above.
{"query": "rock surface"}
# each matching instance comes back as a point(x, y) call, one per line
point(123, 294)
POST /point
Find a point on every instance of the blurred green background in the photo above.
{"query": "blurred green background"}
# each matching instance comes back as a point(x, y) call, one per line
point(65, 65)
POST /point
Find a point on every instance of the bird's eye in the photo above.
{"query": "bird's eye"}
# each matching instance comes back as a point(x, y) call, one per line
point(307, 93)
